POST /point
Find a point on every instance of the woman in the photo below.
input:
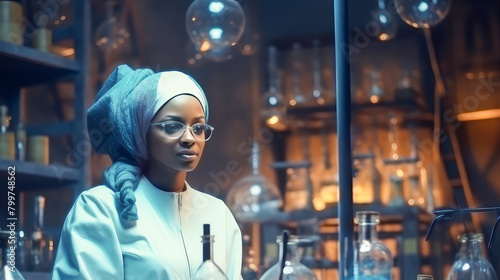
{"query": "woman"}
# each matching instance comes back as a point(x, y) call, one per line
point(146, 222)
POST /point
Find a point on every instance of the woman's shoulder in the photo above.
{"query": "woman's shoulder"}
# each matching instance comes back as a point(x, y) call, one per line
point(99, 196)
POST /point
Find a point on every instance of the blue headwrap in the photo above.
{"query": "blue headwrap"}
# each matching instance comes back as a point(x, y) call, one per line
point(119, 119)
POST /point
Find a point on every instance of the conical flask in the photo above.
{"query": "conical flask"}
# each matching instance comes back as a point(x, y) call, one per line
point(208, 270)
point(9, 270)
point(292, 268)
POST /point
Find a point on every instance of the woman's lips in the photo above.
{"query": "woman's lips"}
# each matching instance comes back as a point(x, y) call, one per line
point(187, 155)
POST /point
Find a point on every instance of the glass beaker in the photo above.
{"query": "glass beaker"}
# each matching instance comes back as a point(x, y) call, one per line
point(470, 263)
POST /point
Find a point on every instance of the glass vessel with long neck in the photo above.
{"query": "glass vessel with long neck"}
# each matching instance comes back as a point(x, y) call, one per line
point(372, 259)
point(208, 270)
point(293, 269)
point(470, 263)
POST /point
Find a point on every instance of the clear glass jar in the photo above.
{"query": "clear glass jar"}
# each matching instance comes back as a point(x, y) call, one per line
point(470, 262)
point(372, 259)
point(293, 269)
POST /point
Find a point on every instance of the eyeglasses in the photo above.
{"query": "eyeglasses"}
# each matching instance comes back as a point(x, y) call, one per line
point(175, 130)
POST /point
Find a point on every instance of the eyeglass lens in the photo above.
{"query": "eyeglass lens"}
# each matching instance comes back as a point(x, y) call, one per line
point(200, 131)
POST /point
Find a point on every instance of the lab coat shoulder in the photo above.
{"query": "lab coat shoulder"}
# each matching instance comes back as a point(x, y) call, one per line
point(89, 247)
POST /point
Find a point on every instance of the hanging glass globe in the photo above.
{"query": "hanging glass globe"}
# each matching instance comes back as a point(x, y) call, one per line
point(254, 197)
point(388, 26)
point(111, 35)
point(214, 24)
point(219, 54)
point(422, 13)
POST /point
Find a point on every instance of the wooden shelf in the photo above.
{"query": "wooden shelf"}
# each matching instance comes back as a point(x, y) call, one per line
point(332, 212)
point(30, 175)
point(24, 66)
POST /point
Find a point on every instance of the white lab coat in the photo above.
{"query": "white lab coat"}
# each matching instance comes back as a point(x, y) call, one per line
point(165, 243)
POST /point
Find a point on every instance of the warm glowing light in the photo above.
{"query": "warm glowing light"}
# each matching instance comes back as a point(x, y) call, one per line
point(273, 120)
point(319, 204)
point(292, 102)
point(400, 173)
point(63, 18)
point(68, 52)
point(421, 200)
point(469, 76)
point(329, 194)
point(383, 36)
point(479, 115)
point(395, 156)
point(394, 120)
point(205, 46)
point(374, 99)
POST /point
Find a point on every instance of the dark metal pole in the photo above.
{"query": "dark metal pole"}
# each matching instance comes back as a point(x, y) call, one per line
point(343, 95)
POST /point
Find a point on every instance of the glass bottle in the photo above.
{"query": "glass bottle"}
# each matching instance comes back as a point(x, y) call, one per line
point(372, 259)
point(273, 102)
point(208, 270)
point(470, 262)
point(319, 94)
point(9, 270)
point(298, 98)
point(7, 138)
point(20, 142)
point(249, 269)
point(416, 197)
point(293, 269)
point(253, 197)
point(42, 246)
point(425, 277)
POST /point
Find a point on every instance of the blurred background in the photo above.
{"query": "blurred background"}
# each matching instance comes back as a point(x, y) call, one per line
point(425, 79)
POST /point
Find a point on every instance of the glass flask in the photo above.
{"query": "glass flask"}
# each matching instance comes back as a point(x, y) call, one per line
point(273, 102)
point(298, 98)
point(9, 270)
point(386, 22)
point(319, 94)
point(253, 197)
point(422, 13)
point(470, 263)
point(372, 259)
point(208, 270)
point(42, 245)
point(293, 269)
point(214, 25)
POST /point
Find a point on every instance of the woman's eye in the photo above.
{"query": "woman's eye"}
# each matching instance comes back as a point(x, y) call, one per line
point(198, 129)
point(172, 127)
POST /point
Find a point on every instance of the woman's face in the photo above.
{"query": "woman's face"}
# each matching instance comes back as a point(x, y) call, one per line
point(184, 153)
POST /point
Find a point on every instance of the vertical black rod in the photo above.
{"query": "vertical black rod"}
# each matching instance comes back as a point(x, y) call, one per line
point(82, 82)
point(343, 95)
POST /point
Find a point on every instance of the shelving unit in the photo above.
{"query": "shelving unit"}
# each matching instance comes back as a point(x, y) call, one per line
point(23, 66)
point(411, 221)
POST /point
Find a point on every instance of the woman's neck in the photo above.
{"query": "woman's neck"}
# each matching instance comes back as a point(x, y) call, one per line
point(164, 178)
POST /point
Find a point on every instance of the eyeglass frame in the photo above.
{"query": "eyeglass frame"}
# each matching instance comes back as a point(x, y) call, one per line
point(185, 127)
